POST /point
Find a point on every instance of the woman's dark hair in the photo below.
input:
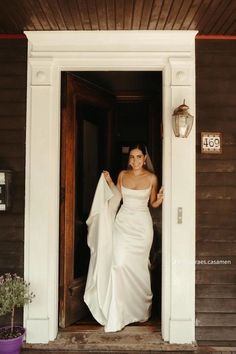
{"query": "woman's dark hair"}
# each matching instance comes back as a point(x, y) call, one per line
point(139, 146)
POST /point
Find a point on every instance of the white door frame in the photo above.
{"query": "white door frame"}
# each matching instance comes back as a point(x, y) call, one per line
point(49, 53)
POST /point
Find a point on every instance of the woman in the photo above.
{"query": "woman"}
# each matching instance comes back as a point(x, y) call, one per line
point(129, 292)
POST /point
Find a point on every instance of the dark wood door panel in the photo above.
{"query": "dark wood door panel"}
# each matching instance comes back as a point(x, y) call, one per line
point(76, 93)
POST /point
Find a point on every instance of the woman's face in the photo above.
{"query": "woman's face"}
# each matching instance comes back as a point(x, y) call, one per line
point(136, 159)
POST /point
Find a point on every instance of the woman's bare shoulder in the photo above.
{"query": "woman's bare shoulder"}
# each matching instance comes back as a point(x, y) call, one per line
point(122, 173)
point(153, 177)
point(150, 174)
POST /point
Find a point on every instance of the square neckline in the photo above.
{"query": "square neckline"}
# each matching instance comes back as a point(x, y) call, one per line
point(133, 189)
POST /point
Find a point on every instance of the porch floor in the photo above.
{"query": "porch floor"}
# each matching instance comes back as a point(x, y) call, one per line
point(92, 338)
point(133, 339)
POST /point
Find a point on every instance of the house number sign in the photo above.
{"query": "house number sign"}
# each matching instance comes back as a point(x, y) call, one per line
point(211, 143)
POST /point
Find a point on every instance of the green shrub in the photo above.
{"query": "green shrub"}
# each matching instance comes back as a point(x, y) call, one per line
point(14, 292)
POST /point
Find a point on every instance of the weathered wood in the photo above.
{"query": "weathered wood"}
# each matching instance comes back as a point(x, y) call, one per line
point(102, 15)
point(12, 150)
point(194, 10)
point(18, 206)
point(13, 69)
point(156, 9)
point(226, 98)
point(132, 339)
point(14, 122)
point(219, 263)
point(222, 277)
point(226, 221)
point(11, 255)
point(215, 234)
point(216, 333)
point(64, 12)
point(216, 306)
point(227, 345)
point(146, 13)
point(216, 248)
point(219, 75)
point(215, 291)
point(216, 165)
point(16, 164)
point(216, 193)
point(208, 23)
point(13, 233)
point(111, 15)
point(8, 50)
point(228, 152)
point(216, 319)
point(137, 14)
point(166, 6)
point(8, 82)
point(226, 114)
point(110, 352)
point(216, 207)
point(119, 15)
point(13, 95)
point(15, 108)
point(12, 137)
point(216, 179)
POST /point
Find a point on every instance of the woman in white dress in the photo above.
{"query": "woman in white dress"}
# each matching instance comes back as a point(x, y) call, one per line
point(129, 295)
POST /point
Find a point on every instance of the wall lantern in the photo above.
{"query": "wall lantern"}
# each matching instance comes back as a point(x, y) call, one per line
point(182, 121)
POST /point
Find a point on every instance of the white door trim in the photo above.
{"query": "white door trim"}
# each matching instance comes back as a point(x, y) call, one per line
point(49, 53)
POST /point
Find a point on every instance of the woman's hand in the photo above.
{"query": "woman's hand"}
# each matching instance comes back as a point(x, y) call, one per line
point(159, 199)
point(160, 195)
point(108, 177)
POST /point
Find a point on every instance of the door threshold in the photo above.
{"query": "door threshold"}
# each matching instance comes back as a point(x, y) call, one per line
point(134, 338)
point(91, 325)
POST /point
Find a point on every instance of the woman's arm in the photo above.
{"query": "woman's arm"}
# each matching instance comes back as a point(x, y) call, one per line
point(156, 198)
point(108, 178)
point(119, 180)
point(110, 181)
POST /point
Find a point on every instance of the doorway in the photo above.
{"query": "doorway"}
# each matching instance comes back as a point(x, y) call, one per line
point(53, 52)
point(102, 113)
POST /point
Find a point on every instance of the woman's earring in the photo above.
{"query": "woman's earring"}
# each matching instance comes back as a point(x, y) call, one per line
point(144, 163)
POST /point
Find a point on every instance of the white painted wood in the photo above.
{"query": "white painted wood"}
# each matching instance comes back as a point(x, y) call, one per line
point(171, 52)
point(110, 41)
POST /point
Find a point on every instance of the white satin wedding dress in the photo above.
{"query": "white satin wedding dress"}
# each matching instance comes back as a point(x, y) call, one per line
point(122, 293)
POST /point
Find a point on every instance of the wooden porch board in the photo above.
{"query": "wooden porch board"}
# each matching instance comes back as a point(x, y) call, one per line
point(138, 339)
point(198, 350)
point(106, 352)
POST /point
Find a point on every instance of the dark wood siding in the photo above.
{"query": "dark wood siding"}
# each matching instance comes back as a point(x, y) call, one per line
point(216, 193)
point(13, 64)
point(216, 179)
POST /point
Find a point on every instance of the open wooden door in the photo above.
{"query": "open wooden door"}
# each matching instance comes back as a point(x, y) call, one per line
point(86, 147)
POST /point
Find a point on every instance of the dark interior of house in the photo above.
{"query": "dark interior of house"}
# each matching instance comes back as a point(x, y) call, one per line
point(135, 116)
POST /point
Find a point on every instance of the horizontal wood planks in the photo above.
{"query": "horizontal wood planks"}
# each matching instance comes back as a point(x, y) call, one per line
point(13, 74)
point(215, 17)
point(216, 195)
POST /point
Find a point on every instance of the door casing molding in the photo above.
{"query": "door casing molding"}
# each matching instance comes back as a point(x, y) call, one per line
point(49, 53)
